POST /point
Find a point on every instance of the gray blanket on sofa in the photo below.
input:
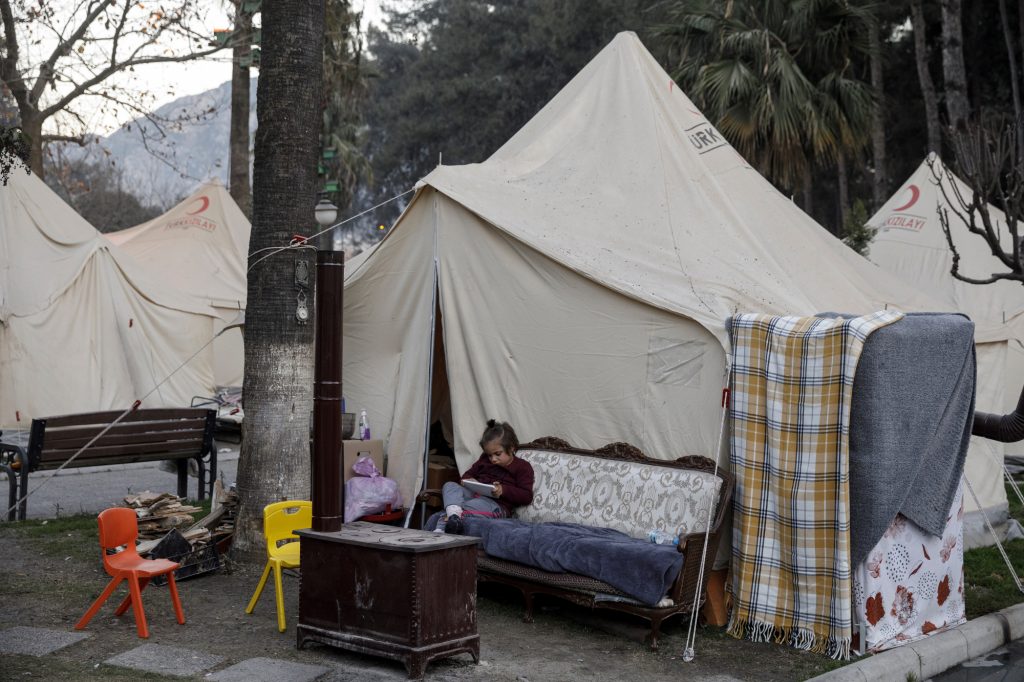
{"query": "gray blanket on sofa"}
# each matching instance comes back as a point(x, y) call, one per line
point(638, 568)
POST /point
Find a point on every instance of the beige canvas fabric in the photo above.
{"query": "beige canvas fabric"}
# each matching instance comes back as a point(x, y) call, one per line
point(583, 275)
point(199, 248)
point(911, 244)
point(82, 326)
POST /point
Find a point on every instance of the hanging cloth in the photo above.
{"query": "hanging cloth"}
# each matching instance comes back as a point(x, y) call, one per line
point(792, 388)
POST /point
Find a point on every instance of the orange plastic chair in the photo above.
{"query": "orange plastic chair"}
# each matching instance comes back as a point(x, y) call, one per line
point(280, 520)
point(119, 526)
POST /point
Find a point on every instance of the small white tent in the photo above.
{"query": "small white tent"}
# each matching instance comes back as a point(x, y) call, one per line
point(577, 283)
point(82, 326)
point(911, 244)
point(199, 248)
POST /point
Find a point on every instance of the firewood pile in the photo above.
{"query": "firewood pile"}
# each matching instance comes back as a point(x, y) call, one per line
point(158, 513)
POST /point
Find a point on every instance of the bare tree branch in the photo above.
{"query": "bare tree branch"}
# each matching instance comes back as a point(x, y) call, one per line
point(986, 160)
point(92, 41)
point(80, 140)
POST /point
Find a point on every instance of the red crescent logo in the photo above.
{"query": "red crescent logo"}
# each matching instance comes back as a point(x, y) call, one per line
point(915, 194)
point(205, 201)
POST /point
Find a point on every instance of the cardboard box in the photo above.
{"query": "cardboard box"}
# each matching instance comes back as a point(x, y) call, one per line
point(354, 449)
point(439, 474)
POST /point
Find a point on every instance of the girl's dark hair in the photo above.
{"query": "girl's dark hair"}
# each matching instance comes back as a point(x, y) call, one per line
point(501, 432)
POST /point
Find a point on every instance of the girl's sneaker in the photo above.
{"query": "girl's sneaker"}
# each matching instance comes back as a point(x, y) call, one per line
point(441, 522)
point(453, 525)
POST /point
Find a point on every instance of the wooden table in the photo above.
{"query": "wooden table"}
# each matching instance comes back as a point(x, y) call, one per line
point(399, 593)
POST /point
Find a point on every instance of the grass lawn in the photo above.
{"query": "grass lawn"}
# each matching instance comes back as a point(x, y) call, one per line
point(988, 584)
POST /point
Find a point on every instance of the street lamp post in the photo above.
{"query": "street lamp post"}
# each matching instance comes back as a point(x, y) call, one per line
point(326, 213)
point(328, 495)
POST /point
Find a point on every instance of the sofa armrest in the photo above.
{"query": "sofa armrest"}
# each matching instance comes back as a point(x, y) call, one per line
point(428, 495)
point(692, 546)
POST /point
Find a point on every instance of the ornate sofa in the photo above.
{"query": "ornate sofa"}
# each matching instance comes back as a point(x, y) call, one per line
point(619, 487)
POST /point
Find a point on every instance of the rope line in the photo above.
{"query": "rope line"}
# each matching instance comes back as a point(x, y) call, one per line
point(134, 406)
point(691, 634)
point(305, 242)
point(992, 530)
point(1013, 483)
point(156, 387)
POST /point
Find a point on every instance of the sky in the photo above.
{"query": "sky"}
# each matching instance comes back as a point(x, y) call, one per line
point(167, 82)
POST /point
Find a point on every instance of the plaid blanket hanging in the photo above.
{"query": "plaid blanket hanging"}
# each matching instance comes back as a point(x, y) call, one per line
point(792, 385)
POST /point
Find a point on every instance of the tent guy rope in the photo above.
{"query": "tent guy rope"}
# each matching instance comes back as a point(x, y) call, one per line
point(992, 531)
point(134, 406)
point(691, 633)
point(303, 243)
point(275, 250)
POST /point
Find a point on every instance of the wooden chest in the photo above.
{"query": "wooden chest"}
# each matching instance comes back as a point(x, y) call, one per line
point(400, 593)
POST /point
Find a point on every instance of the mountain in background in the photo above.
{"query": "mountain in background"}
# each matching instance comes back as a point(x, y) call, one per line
point(185, 144)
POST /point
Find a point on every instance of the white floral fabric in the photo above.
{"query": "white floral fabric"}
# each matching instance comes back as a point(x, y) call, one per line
point(911, 583)
point(630, 497)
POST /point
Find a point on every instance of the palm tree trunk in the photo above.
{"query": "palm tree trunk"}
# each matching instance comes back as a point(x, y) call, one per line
point(1020, 32)
point(879, 187)
point(953, 70)
point(843, 180)
point(238, 174)
point(1012, 59)
point(924, 76)
point(278, 386)
point(808, 193)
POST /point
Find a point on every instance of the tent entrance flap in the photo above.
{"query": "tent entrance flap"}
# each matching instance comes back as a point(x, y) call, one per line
point(440, 394)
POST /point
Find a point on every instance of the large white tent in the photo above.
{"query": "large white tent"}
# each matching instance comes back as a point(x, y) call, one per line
point(82, 326)
point(199, 249)
point(911, 244)
point(578, 281)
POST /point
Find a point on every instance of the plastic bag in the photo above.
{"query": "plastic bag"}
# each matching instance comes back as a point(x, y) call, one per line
point(369, 492)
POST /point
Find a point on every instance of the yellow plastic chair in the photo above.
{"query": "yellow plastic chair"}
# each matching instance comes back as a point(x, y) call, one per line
point(280, 520)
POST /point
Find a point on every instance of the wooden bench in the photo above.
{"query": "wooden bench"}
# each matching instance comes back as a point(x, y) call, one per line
point(146, 435)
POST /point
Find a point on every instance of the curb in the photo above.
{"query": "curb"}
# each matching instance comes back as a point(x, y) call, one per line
point(933, 655)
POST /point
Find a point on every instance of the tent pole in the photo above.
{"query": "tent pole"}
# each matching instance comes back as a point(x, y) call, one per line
point(430, 385)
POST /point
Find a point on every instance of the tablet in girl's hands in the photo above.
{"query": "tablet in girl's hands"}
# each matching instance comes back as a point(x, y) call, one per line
point(485, 489)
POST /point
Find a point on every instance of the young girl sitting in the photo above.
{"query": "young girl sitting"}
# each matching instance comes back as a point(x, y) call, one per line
point(511, 477)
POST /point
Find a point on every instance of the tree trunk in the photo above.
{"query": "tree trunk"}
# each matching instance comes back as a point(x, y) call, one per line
point(931, 106)
point(32, 126)
point(278, 386)
point(808, 194)
point(1012, 59)
point(238, 175)
point(843, 181)
point(1020, 32)
point(880, 184)
point(953, 71)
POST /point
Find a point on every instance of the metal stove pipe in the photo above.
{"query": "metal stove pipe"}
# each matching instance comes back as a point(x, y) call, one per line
point(327, 491)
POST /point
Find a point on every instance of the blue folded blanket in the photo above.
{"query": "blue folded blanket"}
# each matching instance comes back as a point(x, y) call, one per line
point(636, 567)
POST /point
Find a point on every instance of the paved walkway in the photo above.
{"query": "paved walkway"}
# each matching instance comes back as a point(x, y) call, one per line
point(1005, 664)
point(162, 659)
point(90, 490)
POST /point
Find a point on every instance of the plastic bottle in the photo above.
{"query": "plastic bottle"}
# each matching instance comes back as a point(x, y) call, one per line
point(364, 426)
point(661, 537)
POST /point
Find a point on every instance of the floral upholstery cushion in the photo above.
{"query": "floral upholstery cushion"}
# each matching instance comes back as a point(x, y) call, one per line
point(630, 497)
